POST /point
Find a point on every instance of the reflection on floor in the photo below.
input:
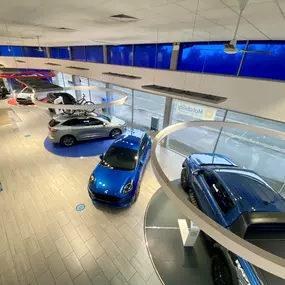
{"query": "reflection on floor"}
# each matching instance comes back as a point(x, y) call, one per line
point(174, 263)
point(43, 239)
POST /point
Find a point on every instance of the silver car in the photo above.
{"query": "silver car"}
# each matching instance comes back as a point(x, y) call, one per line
point(67, 130)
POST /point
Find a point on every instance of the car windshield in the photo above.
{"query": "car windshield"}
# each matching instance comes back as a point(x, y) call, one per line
point(27, 90)
point(120, 158)
point(105, 118)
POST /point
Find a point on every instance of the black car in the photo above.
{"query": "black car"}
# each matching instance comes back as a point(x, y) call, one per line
point(67, 98)
point(3, 92)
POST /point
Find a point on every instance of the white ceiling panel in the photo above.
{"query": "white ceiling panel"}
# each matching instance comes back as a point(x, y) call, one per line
point(174, 19)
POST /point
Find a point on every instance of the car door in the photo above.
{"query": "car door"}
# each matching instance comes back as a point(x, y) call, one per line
point(98, 128)
point(78, 128)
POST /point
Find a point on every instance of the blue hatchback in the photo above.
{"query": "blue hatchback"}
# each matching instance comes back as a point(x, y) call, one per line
point(117, 178)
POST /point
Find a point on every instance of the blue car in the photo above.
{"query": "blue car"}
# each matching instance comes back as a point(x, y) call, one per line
point(116, 180)
point(241, 201)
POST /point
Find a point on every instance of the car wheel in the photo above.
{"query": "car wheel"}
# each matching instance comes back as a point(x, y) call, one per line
point(89, 103)
point(221, 272)
point(68, 140)
point(115, 133)
point(68, 111)
point(184, 180)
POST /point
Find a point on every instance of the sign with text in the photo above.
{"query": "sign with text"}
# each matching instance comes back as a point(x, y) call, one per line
point(195, 110)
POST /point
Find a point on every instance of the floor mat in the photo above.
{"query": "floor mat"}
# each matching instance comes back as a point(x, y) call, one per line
point(81, 149)
point(4, 116)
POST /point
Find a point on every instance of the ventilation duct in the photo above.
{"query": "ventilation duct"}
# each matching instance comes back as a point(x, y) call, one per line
point(208, 98)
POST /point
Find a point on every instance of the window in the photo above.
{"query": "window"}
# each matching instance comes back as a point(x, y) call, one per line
point(261, 153)
point(218, 191)
point(153, 56)
point(53, 52)
point(10, 51)
point(210, 58)
point(94, 54)
point(95, 122)
point(76, 123)
point(121, 55)
point(34, 52)
point(78, 53)
point(270, 66)
point(53, 123)
point(194, 139)
point(120, 158)
point(146, 106)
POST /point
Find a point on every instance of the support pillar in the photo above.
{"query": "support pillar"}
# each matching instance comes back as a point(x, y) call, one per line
point(76, 82)
point(174, 56)
point(167, 117)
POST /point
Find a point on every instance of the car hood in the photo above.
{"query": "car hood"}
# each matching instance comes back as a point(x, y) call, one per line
point(115, 120)
point(111, 180)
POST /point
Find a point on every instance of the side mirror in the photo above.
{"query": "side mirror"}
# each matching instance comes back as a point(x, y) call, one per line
point(101, 156)
point(141, 163)
point(196, 172)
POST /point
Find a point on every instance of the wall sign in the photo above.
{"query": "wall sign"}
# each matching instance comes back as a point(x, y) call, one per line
point(195, 110)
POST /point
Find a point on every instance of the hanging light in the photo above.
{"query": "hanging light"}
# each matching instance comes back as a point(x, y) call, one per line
point(40, 49)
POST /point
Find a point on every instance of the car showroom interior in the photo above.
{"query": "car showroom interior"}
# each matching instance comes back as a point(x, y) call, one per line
point(142, 142)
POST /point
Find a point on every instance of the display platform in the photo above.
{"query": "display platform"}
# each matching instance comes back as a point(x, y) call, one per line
point(174, 263)
point(81, 149)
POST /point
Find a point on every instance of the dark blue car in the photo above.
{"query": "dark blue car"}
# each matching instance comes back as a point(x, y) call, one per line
point(117, 178)
point(241, 201)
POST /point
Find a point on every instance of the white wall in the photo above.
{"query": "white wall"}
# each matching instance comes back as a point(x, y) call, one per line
point(263, 98)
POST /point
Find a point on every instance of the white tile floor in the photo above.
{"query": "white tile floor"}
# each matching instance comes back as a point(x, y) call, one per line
point(43, 240)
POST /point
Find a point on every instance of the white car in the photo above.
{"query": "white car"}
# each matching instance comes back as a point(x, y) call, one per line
point(24, 97)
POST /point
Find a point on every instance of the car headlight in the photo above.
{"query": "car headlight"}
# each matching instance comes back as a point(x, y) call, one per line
point(91, 179)
point(128, 187)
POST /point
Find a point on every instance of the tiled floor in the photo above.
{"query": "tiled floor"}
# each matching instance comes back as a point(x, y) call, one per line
point(43, 240)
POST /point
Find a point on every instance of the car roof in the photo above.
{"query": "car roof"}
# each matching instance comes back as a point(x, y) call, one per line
point(63, 118)
point(211, 159)
point(131, 138)
point(250, 191)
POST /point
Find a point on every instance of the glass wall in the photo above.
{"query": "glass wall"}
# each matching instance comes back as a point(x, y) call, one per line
point(94, 54)
point(59, 52)
point(123, 112)
point(209, 58)
point(122, 55)
point(34, 52)
point(196, 139)
point(153, 56)
point(260, 153)
point(270, 66)
point(78, 53)
point(148, 107)
point(11, 51)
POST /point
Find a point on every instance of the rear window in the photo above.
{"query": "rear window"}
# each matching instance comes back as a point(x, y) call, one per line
point(53, 123)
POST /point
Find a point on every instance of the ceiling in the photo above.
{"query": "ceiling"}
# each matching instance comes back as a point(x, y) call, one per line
point(88, 22)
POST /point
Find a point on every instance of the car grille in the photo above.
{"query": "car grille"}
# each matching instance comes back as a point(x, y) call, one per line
point(105, 198)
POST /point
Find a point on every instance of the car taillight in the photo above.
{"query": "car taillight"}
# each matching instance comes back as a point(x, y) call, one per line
point(53, 130)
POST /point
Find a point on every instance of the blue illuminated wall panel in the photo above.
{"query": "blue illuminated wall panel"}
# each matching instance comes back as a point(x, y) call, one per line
point(53, 52)
point(271, 66)
point(153, 56)
point(144, 55)
point(94, 54)
point(209, 58)
point(78, 53)
point(34, 52)
point(163, 57)
point(122, 55)
point(10, 51)
point(63, 53)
